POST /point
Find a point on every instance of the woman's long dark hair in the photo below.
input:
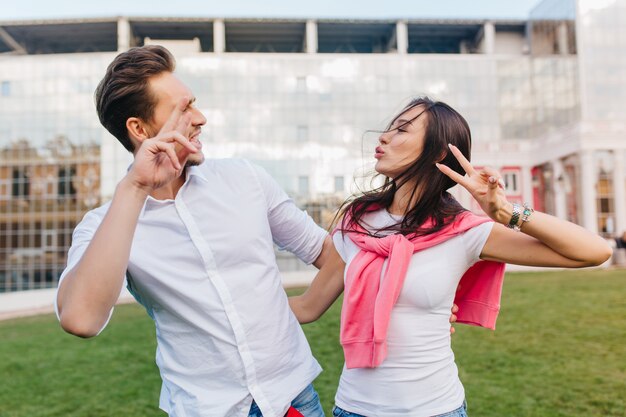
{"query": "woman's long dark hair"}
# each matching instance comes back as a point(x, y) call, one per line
point(444, 126)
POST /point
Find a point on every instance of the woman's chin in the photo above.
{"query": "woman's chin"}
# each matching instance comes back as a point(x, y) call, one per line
point(380, 169)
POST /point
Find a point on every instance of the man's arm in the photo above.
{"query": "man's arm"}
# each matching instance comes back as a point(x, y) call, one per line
point(89, 290)
point(291, 227)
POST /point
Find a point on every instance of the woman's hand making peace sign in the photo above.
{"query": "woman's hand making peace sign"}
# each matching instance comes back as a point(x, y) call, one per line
point(545, 241)
point(486, 186)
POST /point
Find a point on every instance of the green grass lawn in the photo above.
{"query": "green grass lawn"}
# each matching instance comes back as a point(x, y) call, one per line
point(560, 350)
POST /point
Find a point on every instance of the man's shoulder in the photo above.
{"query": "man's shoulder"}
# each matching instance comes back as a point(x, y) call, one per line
point(225, 163)
point(96, 214)
point(101, 210)
point(238, 167)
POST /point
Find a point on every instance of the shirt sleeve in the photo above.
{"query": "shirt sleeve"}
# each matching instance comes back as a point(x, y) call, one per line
point(82, 235)
point(475, 239)
point(292, 228)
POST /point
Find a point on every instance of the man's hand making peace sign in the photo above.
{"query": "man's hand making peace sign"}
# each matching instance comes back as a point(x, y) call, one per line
point(158, 160)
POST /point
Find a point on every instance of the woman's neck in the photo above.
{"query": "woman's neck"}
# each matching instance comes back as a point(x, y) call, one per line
point(402, 201)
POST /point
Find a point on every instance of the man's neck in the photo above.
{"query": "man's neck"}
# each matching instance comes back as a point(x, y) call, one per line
point(170, 190)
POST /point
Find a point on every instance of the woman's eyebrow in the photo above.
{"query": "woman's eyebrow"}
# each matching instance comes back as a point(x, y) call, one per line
point(402, 122)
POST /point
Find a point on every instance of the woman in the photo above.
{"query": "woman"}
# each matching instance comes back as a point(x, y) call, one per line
point(406, 246)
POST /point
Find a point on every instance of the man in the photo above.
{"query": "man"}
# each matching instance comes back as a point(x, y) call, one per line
point(195, 239)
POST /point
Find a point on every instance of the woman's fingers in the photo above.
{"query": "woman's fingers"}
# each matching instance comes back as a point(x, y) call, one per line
point(487, 172)
point(474, 182)
point(492, 188)
point(467, 166)
point(494, 180)
point(455, 176)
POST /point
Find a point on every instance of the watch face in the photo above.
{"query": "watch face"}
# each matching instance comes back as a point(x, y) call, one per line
point(515, 216)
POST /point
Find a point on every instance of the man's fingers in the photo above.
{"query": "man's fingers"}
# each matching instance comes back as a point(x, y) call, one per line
point(467, 166)
point(184, 124)
point(175, 136)
point(176, 114)
point(171, 153)
point(455, 308)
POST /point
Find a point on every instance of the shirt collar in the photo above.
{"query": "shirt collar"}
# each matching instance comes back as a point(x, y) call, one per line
point(192, 171)
point(196, 172)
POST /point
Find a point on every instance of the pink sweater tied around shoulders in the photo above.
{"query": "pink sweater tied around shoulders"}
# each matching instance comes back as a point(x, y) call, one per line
point(368, 300)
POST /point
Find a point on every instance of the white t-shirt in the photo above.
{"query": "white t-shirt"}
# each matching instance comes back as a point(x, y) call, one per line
point(419, 377)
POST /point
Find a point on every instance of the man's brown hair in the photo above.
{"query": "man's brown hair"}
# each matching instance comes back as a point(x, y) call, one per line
point(124, 91)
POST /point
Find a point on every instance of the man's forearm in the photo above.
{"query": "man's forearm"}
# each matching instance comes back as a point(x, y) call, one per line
point(91, 288)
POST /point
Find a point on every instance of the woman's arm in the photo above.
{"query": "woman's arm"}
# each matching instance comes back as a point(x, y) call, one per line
point(545, 240)
point(324, 290)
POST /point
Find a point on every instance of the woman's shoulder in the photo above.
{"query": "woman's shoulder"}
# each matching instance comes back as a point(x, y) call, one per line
point(379, 219)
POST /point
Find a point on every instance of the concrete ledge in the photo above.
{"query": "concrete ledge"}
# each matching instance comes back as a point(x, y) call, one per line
point(31, 303)
point(298, 279)
point(34, 302)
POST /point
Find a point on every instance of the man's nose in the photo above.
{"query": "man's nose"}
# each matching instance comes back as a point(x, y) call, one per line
point(198, 118)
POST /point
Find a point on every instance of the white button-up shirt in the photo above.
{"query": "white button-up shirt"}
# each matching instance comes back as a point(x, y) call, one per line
point(203, 266)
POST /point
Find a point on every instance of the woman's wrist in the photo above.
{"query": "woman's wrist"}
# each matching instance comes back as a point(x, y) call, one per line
point(505, 214)
point(514, 215)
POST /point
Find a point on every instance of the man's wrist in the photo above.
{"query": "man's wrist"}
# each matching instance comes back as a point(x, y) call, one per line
point(128, 186)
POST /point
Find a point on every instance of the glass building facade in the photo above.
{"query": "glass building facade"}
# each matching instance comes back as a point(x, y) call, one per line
point(601, 46)
point(305, 99)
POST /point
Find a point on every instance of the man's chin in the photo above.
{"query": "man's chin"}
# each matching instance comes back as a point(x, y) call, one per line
point(192, 162)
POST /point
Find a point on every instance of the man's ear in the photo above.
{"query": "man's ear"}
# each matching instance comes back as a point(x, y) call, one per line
point(137, 129)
